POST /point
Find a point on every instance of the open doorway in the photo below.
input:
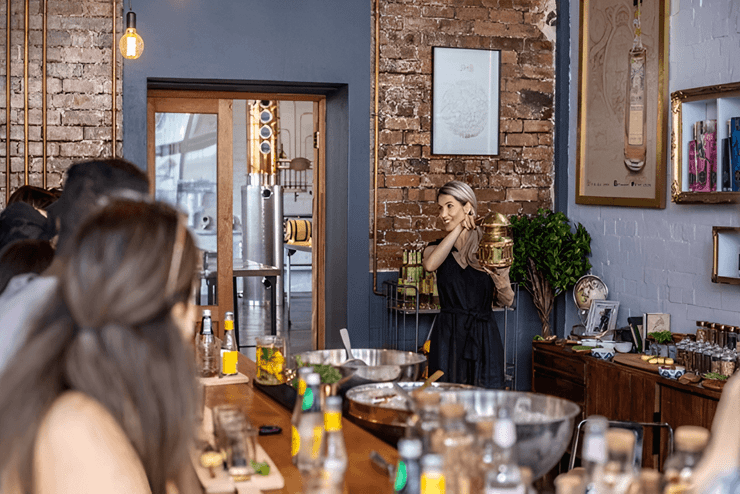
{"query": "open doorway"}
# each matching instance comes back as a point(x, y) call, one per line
point(243, 166)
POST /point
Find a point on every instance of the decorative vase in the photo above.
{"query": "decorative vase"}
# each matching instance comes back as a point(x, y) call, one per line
point(496, 248)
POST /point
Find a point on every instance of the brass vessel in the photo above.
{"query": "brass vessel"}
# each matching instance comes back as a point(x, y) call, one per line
point(496, 248)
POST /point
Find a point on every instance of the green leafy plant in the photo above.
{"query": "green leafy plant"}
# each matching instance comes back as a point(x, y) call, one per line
point(549, 257)
point(662, 337)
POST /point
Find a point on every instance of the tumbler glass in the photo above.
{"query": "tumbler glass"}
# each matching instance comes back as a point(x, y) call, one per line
point(271, 360)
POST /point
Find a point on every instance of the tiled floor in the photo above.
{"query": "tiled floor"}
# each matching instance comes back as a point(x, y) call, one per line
point(254, 320)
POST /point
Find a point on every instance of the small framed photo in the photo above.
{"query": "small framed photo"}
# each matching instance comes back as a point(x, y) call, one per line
point(655, 323)
point(602, 316)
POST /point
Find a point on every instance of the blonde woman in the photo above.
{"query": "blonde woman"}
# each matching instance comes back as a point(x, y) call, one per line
point(465, 343)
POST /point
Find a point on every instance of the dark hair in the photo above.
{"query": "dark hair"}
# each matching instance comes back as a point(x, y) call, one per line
point(20, 221)
point(86, 183)
point(109, 334)
point(35, 196)
point(24, 256)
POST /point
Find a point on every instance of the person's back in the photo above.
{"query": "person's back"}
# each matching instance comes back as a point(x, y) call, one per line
point(86, 184)
point(101, 395)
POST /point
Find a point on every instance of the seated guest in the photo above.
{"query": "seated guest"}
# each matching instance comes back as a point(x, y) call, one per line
point(37, 197)
point(101, 396)
point(20, 221)
point(86, 184)
point(24, 256)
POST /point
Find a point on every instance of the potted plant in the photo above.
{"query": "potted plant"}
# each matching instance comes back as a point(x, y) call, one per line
point(549, 257)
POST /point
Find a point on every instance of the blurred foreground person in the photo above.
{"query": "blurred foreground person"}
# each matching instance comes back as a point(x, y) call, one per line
point(100, 397)
point(86, 184)
point(24, 256)
point(37, 197)
point(20, 221)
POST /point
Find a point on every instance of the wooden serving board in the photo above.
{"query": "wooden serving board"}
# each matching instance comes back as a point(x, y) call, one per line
point(219, 381)
point(635, 360)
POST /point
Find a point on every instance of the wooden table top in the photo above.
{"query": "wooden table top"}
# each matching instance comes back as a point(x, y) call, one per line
point(362, 475)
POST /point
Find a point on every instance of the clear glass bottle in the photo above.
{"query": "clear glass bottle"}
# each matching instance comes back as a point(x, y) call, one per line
point(229, 351)
point(619, 471)
point(486, 451)
point(333, 450)
point(635, 116)
point(295, 438)
point(206, 348)
point(432, 475)
point(690, 442)
point(427, 406)
point(504, 477)
point(455, 442)
point(310, 429)
point(593, 450)
point(408, 470)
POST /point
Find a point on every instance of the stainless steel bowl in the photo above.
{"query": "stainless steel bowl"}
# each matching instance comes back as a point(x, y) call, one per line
point(544, 424)
point(382, 365)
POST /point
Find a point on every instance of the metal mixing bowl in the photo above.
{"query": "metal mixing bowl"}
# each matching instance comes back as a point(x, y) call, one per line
point(544, 424)
point(382, 365)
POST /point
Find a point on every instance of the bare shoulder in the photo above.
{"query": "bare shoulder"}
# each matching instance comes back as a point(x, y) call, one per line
point(81, 448)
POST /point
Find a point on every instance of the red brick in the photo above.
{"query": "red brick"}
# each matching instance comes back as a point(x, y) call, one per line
point(401, 237)
point(384, 223)
point(522, 139)
point(505, 181)
point(537, 126)
point(511, 126)
point(508, 57)
point(506, 16)
point(402, 223)
point(545, 139)
point(538, 153)
point(536, 180)
point(472, 13)
point(523, 195)
point(444, 12)
point(402, 209)
point(390, 137)
point(436, 180)
point(402, 181)
point(417, 138)
point(390, 195)
point(490, 194)
point(401, 123)
point(486, 28)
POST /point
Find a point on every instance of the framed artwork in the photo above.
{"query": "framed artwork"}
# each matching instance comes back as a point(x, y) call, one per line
point(602, 316)
point(655, 323)
point(622, 103)
point(465, 101)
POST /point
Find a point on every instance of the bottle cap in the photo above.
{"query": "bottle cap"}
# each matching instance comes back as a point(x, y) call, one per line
point(620, 440)
point(409, 448)
point(452, 410)
point(334, 402)
point(206, 312)
point(313, 379)
point(691, 438)
point(432, 461)
point(304, 371)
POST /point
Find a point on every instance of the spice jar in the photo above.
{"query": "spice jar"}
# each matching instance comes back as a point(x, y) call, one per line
point(716, 362)
point(712, 333)
point(728, 363)
point(701, 331)
point(722, 336)
point(681, 352)
point(731, 338)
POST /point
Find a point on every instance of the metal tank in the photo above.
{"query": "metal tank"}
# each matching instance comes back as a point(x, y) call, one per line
point(262, 228)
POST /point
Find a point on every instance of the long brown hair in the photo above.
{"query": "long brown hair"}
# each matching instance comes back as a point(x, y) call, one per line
point(109, 334)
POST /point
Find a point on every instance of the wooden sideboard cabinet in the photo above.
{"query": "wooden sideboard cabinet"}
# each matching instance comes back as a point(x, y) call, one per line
point(621, 392)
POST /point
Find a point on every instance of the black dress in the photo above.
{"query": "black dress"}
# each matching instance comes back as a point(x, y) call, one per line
point(465, 342)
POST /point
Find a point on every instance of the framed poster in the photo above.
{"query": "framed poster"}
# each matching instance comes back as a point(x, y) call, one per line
point(622, 104)
point(602, 316)
point(465, 101)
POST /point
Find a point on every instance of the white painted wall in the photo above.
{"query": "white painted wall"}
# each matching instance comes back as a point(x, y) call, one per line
point(661, 260)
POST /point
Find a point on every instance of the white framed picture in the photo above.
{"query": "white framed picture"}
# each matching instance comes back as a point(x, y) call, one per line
point(602, 316)
point(656, 322)
point(465, 101)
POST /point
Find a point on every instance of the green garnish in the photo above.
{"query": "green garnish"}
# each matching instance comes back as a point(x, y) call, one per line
point(538, 338)
point(582, 347)
point(261, 468)
point(329, 374)
point(662, 337)
point(714, 375)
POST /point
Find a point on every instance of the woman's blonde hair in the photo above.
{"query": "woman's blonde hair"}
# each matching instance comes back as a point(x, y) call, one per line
point(464, 194)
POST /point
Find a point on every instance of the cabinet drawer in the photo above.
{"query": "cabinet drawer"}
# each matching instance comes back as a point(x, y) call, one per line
point(569, 365)
point(549, 383)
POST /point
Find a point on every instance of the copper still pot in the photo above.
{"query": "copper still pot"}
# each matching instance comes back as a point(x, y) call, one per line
point(496, 248)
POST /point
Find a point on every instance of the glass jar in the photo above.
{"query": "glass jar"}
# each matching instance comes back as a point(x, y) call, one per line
point(706, 365)
point(731, 338)
point(681, 352)
point(716, 362)
point(728, 363)
point(701, 331)
point(270, 360)
point(712, 333)
point(722, 336)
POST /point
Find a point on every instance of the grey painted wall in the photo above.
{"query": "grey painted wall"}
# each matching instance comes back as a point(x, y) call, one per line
point(302, 41)
point(661, 260)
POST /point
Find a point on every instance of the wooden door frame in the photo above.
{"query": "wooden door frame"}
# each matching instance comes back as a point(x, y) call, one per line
point(161, 100)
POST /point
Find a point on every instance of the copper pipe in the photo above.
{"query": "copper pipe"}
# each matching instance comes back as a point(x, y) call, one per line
point(7, 102)
point(43, 101)
point(25, 95)
point(375, 154)
point(113, 84)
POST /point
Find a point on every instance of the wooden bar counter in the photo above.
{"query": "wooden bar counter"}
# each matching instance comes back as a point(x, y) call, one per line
point(362, 476)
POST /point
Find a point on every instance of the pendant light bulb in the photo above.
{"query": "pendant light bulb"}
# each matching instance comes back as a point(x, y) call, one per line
point(131, 44)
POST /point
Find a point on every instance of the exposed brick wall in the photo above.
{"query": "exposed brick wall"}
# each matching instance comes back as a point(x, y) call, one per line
point(78, 87)
point(520, 179)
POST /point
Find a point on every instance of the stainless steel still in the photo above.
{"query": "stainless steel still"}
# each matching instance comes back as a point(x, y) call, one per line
point(262, 228)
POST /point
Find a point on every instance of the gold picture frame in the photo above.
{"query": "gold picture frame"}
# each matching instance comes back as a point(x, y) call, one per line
point(717, 256)
point(605, 40)
point(678, 100)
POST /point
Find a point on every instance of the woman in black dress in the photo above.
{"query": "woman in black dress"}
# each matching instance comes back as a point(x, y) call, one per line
point(465, 343)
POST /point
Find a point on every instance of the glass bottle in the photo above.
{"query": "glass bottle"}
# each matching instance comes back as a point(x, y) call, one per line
point(504, 477)
point(455, 442)
point(295, 438)
point(649, 482)
point(427, 405)
point(716, 361)
point(486, 451)
point(229, 351)
point(706, 365)
point(690, 442)
point(408, 470)
point(206, 348)
point(432, 474)
point(569, 483)
point(728, 363)
point(635, 138)
point(731, 338)
point(310, 428)
point(688, 356)
point(619, 470)
point(593, 450)
point(701, 331)
point(333, 450)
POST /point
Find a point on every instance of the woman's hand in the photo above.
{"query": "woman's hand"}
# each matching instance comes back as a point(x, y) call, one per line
point(468, 222)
